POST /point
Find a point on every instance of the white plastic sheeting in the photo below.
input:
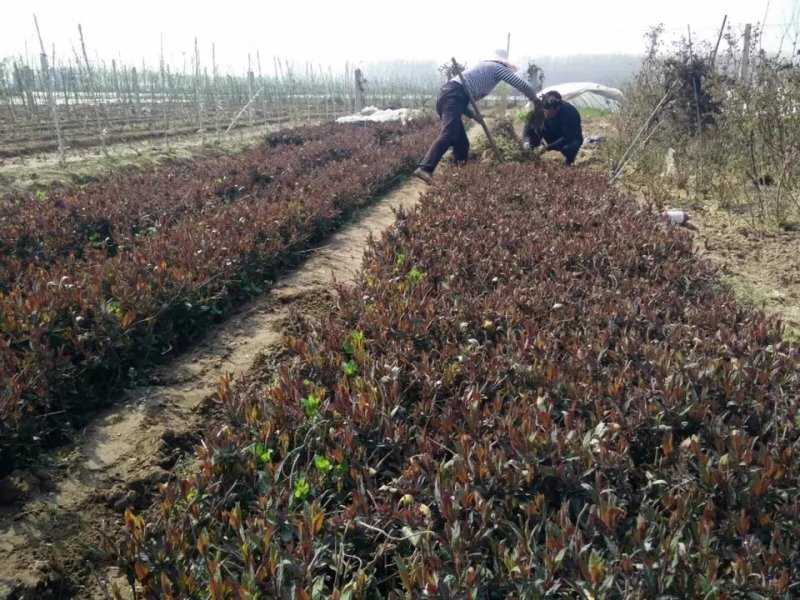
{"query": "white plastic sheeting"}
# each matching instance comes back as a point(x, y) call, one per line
point(585, 94)
point(371, 113)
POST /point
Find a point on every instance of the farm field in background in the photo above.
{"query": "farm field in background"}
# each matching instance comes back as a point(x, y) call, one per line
point(56, 105)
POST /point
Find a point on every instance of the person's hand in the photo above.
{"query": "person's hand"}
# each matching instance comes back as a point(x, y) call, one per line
point(526, 145)
point(539, 151)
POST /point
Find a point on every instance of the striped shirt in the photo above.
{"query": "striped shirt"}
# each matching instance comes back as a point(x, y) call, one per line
point(483, 77)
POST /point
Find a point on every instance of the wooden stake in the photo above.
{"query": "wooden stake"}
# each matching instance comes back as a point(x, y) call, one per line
point(49, 87)
point(164, 92)
point(640, 147)
point(326, 91)
point(13, 114)
point(694, 86)
point(244, 108)
point(359, 91)
point(137, 92)
point(746, 54)
point(263, 85)
point(625, 157)
point(276, 98)
point(719, 39)
point(331, 80)
point(198, 97)
point(250, 86)
point(95, 99)
point(478, 116)
point(64, 90)
point(214, 97)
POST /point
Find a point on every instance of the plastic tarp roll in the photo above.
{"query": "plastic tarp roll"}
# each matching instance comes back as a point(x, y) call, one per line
point(586, 94)
point(380, 116)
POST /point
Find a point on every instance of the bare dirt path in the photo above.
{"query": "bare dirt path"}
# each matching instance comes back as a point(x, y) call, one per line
point(763, 266)
point(48, 535)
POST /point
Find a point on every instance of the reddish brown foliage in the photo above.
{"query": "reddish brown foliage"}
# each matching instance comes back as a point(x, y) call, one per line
point(83, 304)
point(535, 390)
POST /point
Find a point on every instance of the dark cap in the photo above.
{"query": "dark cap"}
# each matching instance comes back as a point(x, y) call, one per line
point(551, 99)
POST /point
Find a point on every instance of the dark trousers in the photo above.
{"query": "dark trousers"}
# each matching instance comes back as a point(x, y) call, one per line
point(569, 150)
point(451, 105)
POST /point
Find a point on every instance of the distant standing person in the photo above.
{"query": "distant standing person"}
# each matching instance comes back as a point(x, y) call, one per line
point(453, 103)
point(562, 128)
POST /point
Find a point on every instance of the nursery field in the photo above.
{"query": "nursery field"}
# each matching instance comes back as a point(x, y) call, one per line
point(102, 279)
point(527, 386)
point(528, 393)
point(245, 354)
point(66, 106)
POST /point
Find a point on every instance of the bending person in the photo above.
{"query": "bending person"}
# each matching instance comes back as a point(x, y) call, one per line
point(453, 103)
point(562, 128)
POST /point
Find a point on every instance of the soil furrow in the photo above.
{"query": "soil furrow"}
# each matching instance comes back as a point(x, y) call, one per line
point(52, 519)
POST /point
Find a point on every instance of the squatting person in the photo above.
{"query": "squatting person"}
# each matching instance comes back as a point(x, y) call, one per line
point(453, 103)
point(562, 128)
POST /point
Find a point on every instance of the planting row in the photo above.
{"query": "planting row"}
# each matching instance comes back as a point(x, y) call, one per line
point(73, 328)
point(531, 393)
point(120, 211)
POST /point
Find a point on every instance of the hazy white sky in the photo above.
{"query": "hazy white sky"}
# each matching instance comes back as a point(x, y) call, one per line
point(360, 31)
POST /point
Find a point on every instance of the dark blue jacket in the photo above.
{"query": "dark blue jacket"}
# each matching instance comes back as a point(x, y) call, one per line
point(565, 126)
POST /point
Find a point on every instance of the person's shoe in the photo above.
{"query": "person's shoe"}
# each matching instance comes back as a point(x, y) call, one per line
point(423, 175)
